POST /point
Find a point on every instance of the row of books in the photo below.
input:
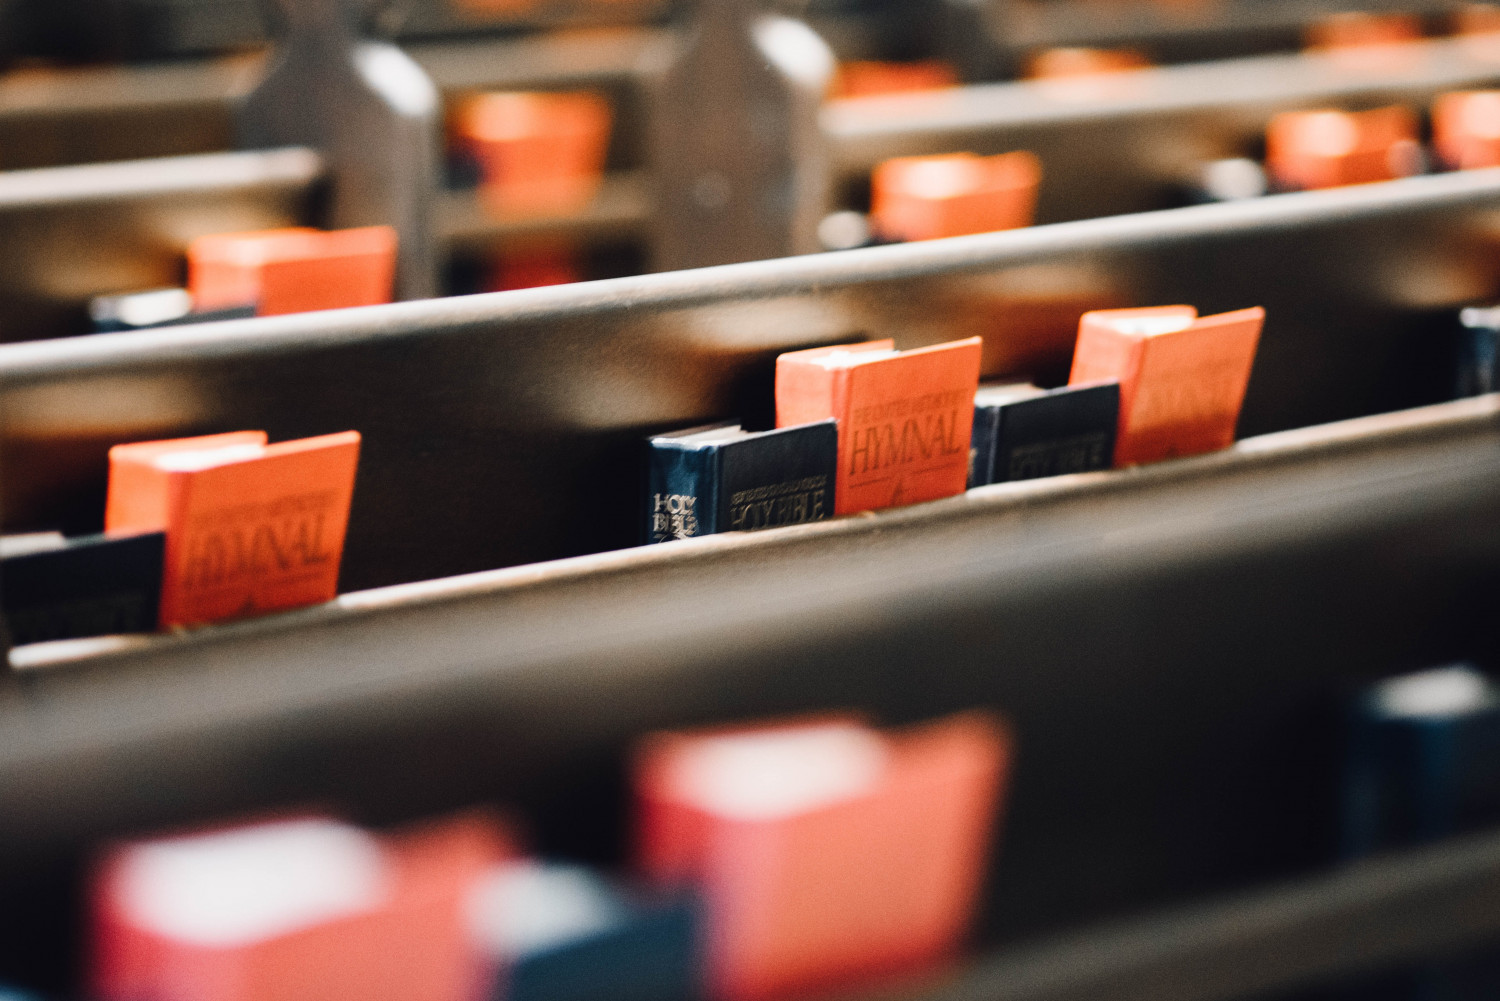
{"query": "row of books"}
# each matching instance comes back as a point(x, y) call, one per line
point(215, 527)
point(768, 860)
point(542, 153)
point(864, 426)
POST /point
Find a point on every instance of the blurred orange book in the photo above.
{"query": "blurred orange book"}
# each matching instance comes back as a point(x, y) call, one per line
point(1182, 377)
point(293, 270)
point(827, 852)
point(1328, 149)
point(872, 78)
point(538, 153)
point(250, 527)
point(1466, 129)
point(956, 194)
point(904, 417)
point(299, 909)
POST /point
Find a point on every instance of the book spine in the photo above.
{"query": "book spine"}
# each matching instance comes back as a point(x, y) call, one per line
point(681, 501)
point(982, 446)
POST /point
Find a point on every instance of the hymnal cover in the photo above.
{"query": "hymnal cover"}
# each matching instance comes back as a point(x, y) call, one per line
point(722, 478)
point(929, 197)
point(1328, 149)
point(1022, 432)
point(827, 852)
point(1182, 377)
point(293, 270)
point(250, 527)
point(553, 931)
point(1466, 129)
point(161, 307)
point(95, 585)
point(537, 153)
point(299, 909)
point(904, 417)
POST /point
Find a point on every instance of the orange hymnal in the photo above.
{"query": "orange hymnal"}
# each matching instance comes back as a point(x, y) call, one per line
point(293, 270)
point(1182, 377)
point(928, 197)
point(904, 417)
point(1355, 29)
point(1070, 62)
point(250, 527)
point(537, 153)
point(1327, 149)
point(1466, 129)
point(826, 851)
point(299, 909)
point(871, 78)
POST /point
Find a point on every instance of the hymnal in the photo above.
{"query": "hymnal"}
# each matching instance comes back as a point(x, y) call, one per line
point(302, 909)
point(1023, 432)
point(722, 478)
point(872, 78)
point(1182, 377)
point(1423, 760)
point(558, 932)
point(293, 270)
point(1466, 129)
point(904, 417)
point(54, 588)
point(162, 307)
point(827, 852)
point(537, 153)
point(250, 527)
point(1422, 764)
point(927, 197)
point(1327, 149)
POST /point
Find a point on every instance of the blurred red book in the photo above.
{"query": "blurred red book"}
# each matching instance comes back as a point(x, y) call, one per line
point(828, 853)
point(930, 197)
point(293, 270)
point(305, 909)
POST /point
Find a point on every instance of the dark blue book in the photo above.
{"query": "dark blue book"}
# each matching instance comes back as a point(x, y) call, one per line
point(1479, 336)
point(52, 588)
point(162, 307)
point(1423, 760)
point(722, 478)
point(1423, 763)
point(565, 933)
point(1022, 432)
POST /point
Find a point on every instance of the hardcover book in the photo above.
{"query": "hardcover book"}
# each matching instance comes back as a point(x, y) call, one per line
point(1478, 351)
point(559, 932)
point(250, 527)
point(52, 588)
point(722, 478)
point(1182, 377)
point(1423, 760)
point(955, 194)
point(1306, 150)
point(293, 270)
point(1423, 764)
point(905, 417)
point(828, 852)
point(298, 909)
point(162, 307)
point(1022, 432)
